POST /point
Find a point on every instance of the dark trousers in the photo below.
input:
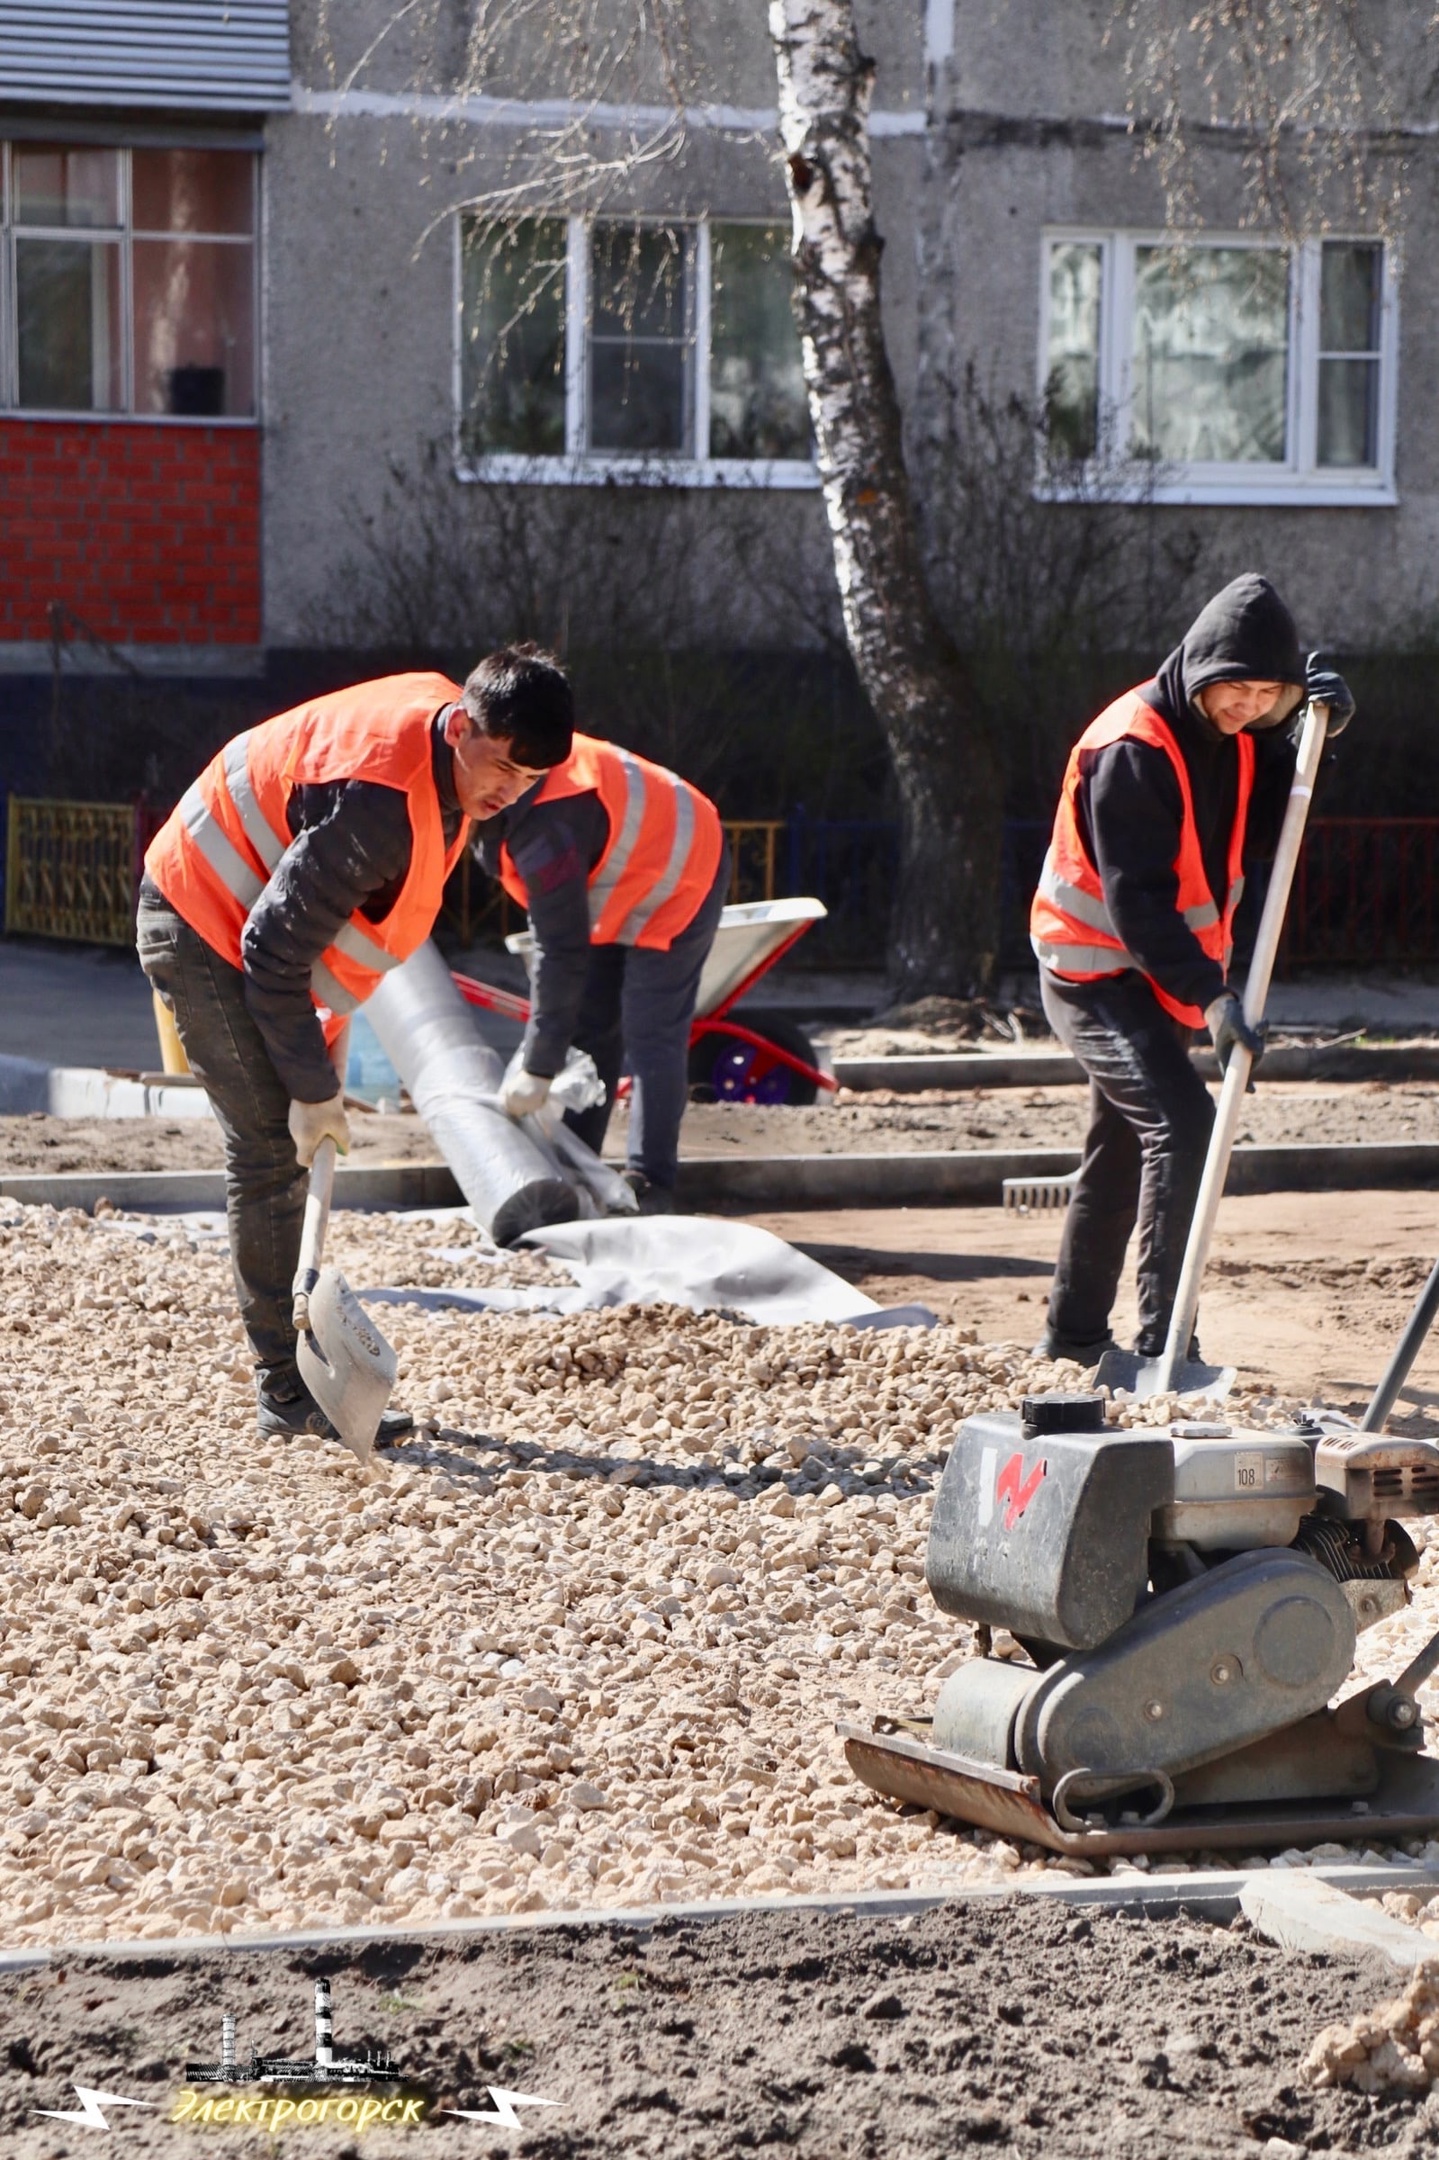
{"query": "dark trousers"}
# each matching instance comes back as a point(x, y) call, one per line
point(264, 1184)
point(1150, 1117)
point(635, 1016)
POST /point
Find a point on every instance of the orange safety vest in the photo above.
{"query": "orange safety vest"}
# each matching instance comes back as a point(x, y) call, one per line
point(1070, 926)
point(662, 853)
point(219, 847)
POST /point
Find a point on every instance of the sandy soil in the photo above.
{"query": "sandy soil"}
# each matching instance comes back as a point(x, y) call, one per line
point(1306, 1292)
point(825, 2036)
point(40, 1144)
point(874, 1123)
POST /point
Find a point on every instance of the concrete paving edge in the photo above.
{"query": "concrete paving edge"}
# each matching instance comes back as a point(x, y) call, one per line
point(907, 1074)
point(1301, 1910)
point(1212, 1894)
point(972, 1177)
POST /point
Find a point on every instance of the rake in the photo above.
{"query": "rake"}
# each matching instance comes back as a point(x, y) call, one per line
point(1035, 1195)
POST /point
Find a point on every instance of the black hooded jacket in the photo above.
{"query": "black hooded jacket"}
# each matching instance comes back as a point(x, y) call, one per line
point(1129, 804)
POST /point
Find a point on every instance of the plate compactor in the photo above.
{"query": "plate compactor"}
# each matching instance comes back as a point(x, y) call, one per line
point(1189, 1599)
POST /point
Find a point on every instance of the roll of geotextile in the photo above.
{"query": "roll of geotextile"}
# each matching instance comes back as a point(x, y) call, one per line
point(452, 1078)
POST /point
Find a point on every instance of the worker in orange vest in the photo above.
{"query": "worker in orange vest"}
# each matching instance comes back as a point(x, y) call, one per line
point(307, 860)
point(623, 868)
point(1167, 796)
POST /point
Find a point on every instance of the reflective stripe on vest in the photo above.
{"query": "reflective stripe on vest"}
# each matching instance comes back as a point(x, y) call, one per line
point(224, 858)
point(633, 928)
point(235, 873)
point(617, 861)
point(1085, 908)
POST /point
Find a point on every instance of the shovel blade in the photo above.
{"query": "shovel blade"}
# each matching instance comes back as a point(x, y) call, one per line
point(346, 1363)
point(1141, 1375)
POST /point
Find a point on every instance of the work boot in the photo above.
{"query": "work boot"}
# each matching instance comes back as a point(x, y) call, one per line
point(1055, 1346)
point(284, 1407)
point(653, 1199)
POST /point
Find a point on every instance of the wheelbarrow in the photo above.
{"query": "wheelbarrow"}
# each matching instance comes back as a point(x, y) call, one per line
point(774, 1061)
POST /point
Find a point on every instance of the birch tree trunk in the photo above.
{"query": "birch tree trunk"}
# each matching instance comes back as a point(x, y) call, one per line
point(944, 926)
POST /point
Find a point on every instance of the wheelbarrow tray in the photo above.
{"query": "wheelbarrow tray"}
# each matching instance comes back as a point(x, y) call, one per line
point(894, 1757)
point(751, 937)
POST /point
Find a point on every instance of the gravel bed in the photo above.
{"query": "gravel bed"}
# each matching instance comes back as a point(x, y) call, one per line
point(831, 2037)
point(584, 1643)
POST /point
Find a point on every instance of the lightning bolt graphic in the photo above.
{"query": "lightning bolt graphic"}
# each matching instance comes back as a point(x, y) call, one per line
point(88, 2113)
point(1007, 1487)
point(504, 2108)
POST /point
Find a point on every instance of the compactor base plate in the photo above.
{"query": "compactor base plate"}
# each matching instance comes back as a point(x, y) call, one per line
point(894, 1757)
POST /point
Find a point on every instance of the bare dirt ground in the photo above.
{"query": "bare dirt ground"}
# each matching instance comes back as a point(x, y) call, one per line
point(39, 1145)
point(1305, 1293)
point(1033, 2032)
point(873, 1123)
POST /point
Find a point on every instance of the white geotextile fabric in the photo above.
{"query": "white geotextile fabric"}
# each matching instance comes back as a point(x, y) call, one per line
point(701, 1261)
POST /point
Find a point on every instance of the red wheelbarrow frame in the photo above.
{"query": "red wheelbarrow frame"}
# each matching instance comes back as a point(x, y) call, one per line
point(512, 1007)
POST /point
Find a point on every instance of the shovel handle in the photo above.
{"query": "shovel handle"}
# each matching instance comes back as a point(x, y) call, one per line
point(312, 1233)
point(1241, 1062)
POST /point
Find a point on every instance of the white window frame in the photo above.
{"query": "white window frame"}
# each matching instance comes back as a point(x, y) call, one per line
point(580, 466)
point(122, 237)
point(1299, 480)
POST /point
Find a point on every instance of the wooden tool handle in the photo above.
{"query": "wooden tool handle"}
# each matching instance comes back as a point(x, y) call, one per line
point(1241, 1061)
point(312, 1234)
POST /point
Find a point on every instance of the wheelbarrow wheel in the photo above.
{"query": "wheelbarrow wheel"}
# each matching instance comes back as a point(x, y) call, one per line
point(723, 1069)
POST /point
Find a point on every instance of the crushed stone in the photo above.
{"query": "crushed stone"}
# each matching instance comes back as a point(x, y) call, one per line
point(584, 1644)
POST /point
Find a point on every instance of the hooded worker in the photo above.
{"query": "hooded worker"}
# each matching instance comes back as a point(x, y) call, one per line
point(623, 868)
point(307, 860)
point(1167, 796)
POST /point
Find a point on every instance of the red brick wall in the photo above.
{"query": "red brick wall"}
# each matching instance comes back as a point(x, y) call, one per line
point(150, 534)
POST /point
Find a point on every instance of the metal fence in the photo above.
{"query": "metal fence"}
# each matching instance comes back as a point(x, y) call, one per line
point(1366, 894)
point(71, 870)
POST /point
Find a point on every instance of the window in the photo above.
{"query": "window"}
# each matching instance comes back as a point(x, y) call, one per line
point(590, 349)
point(127, 281)
point(1227, 369)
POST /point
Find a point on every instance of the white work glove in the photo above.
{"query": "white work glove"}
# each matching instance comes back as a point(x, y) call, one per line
point(522, 1093)
point(312, 1122)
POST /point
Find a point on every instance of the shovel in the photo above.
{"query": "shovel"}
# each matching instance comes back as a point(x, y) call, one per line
point(1174, 1371)
point(344, 1360)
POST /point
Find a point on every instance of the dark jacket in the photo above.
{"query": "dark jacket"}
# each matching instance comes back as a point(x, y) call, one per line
point(554, 846)
point(1129, 804)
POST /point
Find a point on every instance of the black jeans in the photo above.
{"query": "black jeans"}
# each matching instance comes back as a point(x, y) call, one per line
point(635, 1014)
point(264, 1184)
point(1150, 1117)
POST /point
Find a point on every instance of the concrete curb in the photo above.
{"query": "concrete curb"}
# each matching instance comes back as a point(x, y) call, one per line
point(907, 1074)
point(748, 1182)
point(1211, 1894)
point(1301, 1911)
point(381, 1185)
point(976, 1177)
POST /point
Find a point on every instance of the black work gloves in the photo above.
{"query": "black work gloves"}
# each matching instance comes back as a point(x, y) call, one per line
point(1227, 1026)
point(1323, 687)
